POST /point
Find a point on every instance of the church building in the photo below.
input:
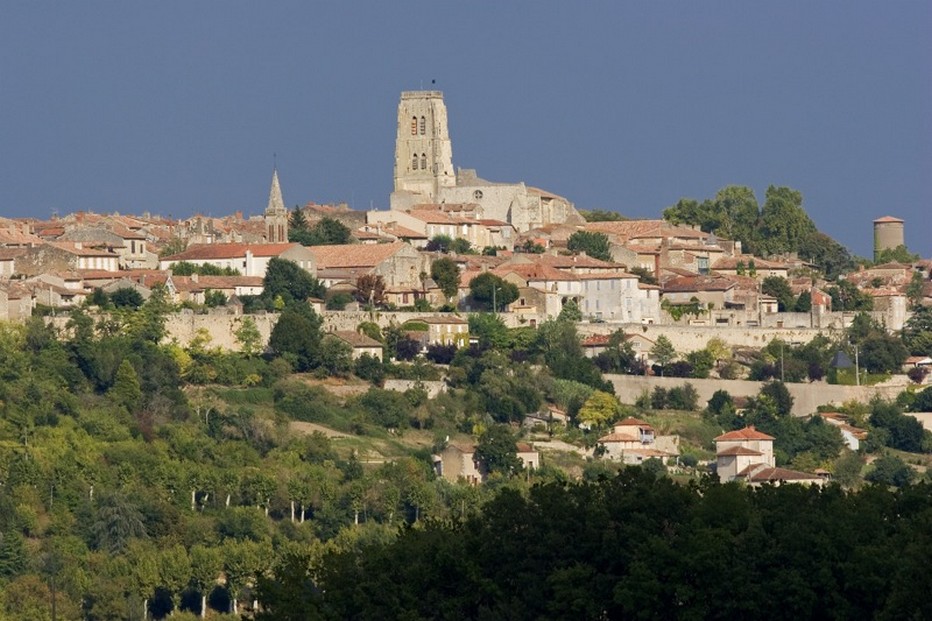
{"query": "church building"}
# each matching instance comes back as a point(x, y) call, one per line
point(425, 177)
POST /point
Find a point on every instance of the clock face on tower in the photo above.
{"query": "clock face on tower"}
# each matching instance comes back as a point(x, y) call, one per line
point(477, 194)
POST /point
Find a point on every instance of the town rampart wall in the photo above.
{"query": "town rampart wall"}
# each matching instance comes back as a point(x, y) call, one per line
point(806, 396)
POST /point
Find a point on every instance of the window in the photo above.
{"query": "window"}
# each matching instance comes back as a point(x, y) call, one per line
point(423, 126)
point(414, 126)
point(424, 161)
point(414, 162)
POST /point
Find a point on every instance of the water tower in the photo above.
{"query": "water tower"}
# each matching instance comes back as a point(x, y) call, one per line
point(888, 234)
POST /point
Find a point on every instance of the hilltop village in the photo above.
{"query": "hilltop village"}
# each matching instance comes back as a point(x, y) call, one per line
point(225, 415)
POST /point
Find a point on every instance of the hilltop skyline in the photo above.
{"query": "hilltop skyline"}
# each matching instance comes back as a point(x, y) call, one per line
point(179, 109)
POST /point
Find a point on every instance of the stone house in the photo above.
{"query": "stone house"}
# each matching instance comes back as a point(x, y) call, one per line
point(632, 441)
point(446, 330)
point(747, 455)
point(457, 462)
point(360, 343)
point(398, 263)
point(62, 257)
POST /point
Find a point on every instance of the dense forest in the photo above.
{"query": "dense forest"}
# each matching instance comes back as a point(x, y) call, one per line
point(633, 547)
point(141, 478)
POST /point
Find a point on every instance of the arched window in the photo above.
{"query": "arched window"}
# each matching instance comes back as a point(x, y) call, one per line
point(423, 161)
point(414, 126)
point(414, 161)
point(423, 126)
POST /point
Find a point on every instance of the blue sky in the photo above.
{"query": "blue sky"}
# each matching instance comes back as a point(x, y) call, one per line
point(178, 107)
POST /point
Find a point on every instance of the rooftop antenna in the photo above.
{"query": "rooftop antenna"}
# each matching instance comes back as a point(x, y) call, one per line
point(274, 161)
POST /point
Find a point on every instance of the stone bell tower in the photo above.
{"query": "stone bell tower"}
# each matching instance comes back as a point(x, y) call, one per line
point(423, 151)
point(276, 215)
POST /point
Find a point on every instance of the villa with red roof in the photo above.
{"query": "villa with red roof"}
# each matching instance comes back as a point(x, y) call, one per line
point(747, 455)
point(632, 441)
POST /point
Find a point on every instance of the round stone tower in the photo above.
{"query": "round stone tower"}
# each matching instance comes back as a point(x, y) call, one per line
point(888, 234)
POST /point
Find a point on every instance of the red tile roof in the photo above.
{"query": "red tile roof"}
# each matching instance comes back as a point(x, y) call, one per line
point(354, 255)
point(748, 433)
point(203, 252)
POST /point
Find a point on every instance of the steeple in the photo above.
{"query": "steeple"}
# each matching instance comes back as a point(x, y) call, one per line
point(276, 215)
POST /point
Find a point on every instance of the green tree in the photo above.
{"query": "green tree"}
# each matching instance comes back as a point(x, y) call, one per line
point(601, 215)
point(779, 288)
point(206, 566)
point(297, 333)
point(446, 274)
point(286, 279)
point(248, 337)
point(126, 390)
point(847, 297)
point(126, 297)
point(328, 232)
point(890, 470)
point(487, 288)
point(917, 332)
point(213, 299)
point(117, 523)
point(498, 451)
point(900, 254)
point(663, 352)
point(784, 223)
point(174, 572)
point(596, 245)
point(570, 311)
point(439, 243)
point(599, 409)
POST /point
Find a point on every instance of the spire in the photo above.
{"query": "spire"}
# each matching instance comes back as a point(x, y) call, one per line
point(276, 202)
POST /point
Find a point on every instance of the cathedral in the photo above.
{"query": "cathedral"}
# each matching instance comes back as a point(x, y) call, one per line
point(425, 177)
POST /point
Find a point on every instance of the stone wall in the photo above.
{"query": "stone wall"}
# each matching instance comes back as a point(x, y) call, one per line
point(806, 397)
point(690, 338)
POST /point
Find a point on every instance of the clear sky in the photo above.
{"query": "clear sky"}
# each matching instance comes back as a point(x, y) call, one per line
point(178, 107)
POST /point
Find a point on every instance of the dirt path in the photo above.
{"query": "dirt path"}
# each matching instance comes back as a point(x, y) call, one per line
point(309, 428)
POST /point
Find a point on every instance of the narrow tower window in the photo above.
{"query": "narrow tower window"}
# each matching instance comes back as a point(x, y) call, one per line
point(423, 126)
point(424, 161)
point(414, 162)
point(414, 126)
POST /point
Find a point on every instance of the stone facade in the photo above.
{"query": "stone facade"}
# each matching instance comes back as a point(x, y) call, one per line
point(424, 172)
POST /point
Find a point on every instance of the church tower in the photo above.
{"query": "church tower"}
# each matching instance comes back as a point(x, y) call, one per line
point(423, 151)
point(276, 216)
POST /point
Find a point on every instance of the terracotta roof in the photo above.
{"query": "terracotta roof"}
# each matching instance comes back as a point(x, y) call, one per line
point(596, 340)
point(739, 450)
point(83, 252)
point(354, 255)
point(619, 437)
point(200, 252)
point(534, 271)
point(8, 254)
point(632, 422)
point(698, 283)
point(765, 475)
point(748, 433)
point(523, 447)
point(888, 219)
